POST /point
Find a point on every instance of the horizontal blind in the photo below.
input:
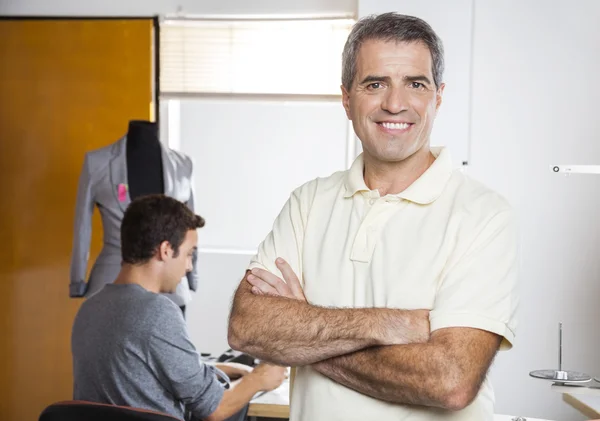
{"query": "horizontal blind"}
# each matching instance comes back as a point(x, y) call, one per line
point(252, 57)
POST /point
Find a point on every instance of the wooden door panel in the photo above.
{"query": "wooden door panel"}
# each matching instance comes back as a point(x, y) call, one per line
point(66, 87)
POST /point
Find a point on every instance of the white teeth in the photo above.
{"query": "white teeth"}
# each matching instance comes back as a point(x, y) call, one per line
point(395, 126)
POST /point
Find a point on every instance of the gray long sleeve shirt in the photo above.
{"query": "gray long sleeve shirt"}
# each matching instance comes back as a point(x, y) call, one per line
point(131, 347)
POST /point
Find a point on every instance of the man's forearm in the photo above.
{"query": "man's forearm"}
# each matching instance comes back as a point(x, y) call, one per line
point(290, 332)
point(398, 373)
point(294, 333)
point(235, 399)
point(429, 374)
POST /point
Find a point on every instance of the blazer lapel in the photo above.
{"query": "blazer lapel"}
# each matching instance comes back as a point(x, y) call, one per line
point(118, 175)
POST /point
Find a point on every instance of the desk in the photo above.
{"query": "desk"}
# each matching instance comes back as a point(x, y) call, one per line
point(274, 404)
point(585, 398)
point(266, 410)
point(586, 404)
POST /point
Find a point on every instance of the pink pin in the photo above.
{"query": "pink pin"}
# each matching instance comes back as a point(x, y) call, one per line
point(122, 190)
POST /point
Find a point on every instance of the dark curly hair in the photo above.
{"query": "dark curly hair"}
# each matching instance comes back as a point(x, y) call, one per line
point(150, 220)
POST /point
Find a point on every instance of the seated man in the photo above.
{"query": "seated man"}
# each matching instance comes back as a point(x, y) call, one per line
point(130, 344)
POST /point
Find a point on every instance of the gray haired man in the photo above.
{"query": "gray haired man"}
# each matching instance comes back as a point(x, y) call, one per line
point(392, 285)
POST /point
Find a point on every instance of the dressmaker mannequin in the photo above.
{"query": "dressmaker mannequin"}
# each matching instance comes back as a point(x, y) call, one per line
point(135, 165)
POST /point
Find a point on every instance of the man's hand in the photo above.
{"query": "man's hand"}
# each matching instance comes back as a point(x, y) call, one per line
point(234, 370)
point(268, 376)
point(264, 377)
point(265, 283)
point(411, 326)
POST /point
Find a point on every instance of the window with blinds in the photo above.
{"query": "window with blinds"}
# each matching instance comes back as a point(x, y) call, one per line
point(252, 56)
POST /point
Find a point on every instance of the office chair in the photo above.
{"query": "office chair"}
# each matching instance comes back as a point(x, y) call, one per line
point(92, 411)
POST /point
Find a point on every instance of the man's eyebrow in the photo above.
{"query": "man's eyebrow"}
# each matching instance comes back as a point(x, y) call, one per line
point(418, 78)
point(375, 78)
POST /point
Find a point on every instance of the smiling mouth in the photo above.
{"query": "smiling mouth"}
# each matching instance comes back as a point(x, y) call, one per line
point(394, 126)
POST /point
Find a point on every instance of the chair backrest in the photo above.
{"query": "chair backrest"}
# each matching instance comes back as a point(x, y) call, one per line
point(92, 411)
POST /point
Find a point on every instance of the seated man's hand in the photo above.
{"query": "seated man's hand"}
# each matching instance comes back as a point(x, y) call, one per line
point(265, 283)
point(234, 370)
point(268, 376)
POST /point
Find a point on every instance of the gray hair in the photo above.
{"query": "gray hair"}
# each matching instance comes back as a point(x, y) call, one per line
point(391, 26)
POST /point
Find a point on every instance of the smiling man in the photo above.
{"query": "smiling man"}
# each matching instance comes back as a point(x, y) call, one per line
point(390, 286)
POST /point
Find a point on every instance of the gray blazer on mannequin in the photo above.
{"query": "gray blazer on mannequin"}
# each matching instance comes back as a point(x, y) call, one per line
point(103, 183)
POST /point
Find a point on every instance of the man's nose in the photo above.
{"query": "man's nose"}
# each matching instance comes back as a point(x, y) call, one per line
point(395, 101)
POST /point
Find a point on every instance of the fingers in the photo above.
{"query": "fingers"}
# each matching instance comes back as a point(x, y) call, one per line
point(256, 291)
point(290, 278)
point(265, 283)
point(269, 283)
point(260, 287)
point(268, 277)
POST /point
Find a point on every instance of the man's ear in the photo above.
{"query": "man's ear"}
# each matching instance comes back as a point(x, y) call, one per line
point(346, 101)
point(164, 250)
point(438, 96)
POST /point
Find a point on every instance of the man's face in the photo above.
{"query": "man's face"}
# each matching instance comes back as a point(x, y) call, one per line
point(177, 266)
point(393, 100)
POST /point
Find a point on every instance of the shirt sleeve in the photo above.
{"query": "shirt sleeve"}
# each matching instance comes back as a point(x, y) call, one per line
point(479, 290)
point(286, 238)
point(177, 364)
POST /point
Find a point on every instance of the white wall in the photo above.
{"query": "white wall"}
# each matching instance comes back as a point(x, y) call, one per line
point(208, 313)
point(248, 157)
point(152, 7)
point(535, 95)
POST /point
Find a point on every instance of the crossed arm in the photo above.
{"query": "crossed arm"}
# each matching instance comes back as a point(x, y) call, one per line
point(445, 370)
point(292, 332)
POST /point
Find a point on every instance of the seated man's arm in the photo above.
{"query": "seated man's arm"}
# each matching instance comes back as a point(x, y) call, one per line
point(473, 313)
point(172, 357)
point(264, 377)
point(294, 333)
point(234, 370)
point(175, 362)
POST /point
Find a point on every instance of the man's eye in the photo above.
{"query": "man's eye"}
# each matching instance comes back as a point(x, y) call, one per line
point(417, 85)
point(374, 85)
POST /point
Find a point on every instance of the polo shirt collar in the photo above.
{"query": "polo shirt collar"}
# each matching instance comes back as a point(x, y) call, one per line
point(426, 189)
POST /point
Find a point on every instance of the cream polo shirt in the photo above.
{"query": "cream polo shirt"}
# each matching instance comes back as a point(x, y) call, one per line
point(447, 243)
